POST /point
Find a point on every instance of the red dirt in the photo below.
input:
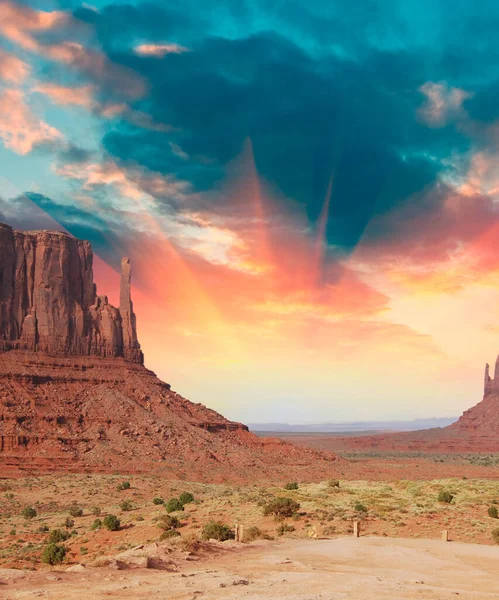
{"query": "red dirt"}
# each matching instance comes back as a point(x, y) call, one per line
point(104, 415)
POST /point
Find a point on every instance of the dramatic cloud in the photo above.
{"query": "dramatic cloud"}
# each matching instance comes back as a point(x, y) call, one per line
point(20, 129)
point(299, 187)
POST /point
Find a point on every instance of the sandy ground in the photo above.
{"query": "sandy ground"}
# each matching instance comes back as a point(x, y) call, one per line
point(344, 568)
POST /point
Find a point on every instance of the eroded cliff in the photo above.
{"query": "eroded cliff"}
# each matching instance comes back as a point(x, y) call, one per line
point(49, 302)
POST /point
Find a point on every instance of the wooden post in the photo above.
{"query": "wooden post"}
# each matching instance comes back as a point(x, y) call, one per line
point(356, 529)
point(239, 532)
point(445, 535)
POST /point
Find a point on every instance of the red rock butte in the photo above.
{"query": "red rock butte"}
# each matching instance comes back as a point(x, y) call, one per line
point(476, 431)
point(76, 396)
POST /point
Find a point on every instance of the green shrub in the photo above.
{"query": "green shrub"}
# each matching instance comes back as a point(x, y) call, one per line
point(111, 522)
point(495, 535)
point(281, 507)
point(168, 522)
point(493, 512)
point(445, 496)
point(168, 534)
point(97, 524)
point(75, 511)
point(291, 486)
point(333, 483)
point(359, 507)
point(217, 531)
point(126, 505)
point(53, 554)
point(124, 485)
point(186, 498)
point(58, 535)
point(158, 501)
point(284, 528)
point(174, 505)
point(28, 512)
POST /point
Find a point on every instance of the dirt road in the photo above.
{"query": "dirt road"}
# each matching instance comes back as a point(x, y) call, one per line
point(340, 569)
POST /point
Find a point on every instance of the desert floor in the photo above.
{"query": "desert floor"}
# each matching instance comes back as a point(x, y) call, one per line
point(345, 568)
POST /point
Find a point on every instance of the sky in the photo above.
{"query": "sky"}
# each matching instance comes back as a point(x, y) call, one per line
point(308, 191)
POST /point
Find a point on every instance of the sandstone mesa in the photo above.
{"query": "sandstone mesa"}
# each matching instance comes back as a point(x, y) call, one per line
point(76, 396)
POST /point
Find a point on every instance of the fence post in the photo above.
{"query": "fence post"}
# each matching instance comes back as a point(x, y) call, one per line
point(356, 529)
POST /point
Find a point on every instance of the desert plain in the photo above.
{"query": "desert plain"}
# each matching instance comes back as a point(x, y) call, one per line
point(308, 553)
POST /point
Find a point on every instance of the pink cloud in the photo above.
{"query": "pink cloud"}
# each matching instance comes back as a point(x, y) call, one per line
point(159, 50)
point(131, 183)
point(443, 103)
point(63, 95)
point(20, 129)
point(20, 24)
point(12, 69)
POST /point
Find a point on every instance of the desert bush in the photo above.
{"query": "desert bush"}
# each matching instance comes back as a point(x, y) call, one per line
point(284, 528)
point(126, 505)
point(58, 535)
point(168, 522)
point(252, 533)
point(168, 534)
point(69, 523)
point(190, 543)
point(293, 485)
point(28, 512)
point(97, 524)
point(281, 507)
point(445, 497)
point(53, 554)
point(186, 498)
point(124, 485)
point(158, 501)
point(174, 505)
point(75, 511)
point(359, 507)
point(111, 522)
point(493, 512)
point(333, 483)
point(96, 511)
point(43, 529)
point(217, 531)
point(495, 535)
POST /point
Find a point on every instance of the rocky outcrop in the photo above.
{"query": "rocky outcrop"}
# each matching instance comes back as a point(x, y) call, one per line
point(49, 302)
point(75, 395)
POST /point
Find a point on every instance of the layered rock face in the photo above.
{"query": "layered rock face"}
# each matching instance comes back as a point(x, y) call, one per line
point(75, 395)
point(49, 302)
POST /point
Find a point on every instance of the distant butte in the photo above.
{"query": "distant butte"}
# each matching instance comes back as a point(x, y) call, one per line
point(476, 431)
point(75, 395)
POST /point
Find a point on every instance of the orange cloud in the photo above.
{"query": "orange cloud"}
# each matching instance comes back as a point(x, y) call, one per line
point(133, 183)
point(159, 50)
point(20, 129)
point(21, 24)
point(63, 95)
point(12, 69)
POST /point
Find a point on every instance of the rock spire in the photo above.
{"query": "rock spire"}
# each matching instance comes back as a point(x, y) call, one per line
point(49, 302)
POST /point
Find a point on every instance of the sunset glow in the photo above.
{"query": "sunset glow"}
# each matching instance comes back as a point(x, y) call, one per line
point(312, 227)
